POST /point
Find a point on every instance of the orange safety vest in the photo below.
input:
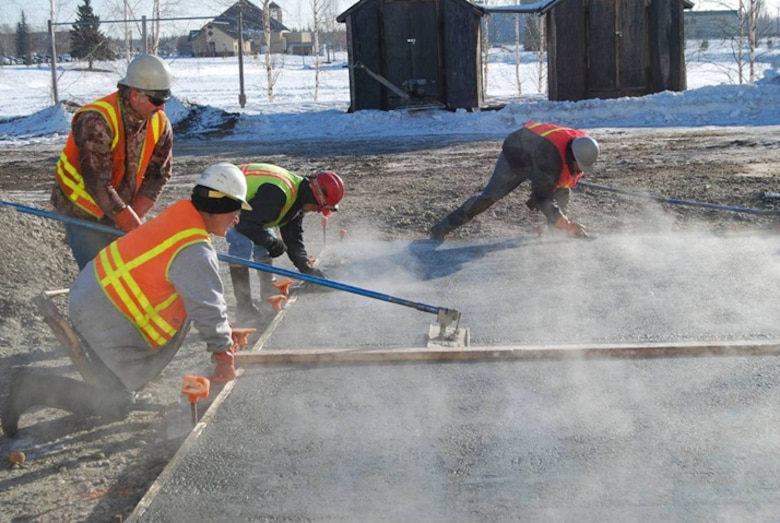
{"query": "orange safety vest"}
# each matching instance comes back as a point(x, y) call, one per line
point(133, 271)
point(68, 171)
point(560, 138)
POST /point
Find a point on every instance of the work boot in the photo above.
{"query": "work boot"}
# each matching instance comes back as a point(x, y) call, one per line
point(29, 388)
point(246, 313)
point(267, 288)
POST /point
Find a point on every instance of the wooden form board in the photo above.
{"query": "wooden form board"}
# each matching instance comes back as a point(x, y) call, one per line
point(518, 352)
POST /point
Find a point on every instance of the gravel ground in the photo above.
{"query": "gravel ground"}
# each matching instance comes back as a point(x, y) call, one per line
point(78, 470)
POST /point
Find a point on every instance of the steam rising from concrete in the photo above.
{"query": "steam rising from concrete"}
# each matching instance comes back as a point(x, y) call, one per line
point(670, 439)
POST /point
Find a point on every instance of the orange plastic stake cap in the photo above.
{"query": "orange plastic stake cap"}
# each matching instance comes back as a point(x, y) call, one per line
point(276, 301)
point(195, 387)
point(283, 286)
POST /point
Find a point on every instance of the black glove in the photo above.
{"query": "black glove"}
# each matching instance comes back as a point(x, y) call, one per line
point(313, 271)
point(275, 246)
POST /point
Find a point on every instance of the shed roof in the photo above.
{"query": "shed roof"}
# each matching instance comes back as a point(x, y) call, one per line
point(480, 10)
point(542, 7)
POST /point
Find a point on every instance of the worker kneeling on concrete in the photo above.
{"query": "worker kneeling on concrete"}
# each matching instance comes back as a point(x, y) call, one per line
point(135, 302)
point(279, 198)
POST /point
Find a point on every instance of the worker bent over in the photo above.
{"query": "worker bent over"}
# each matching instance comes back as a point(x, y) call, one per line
point(279, 198)
point(552, 157)
point(135, 302)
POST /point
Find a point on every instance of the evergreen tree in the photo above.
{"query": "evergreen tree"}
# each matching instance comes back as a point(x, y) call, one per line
point(23, 47)
point(86, 40)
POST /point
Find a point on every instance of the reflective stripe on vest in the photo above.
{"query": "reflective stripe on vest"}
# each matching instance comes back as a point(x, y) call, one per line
point(560, 137)
point(133, 271)
point(68, 172)
point(258, 174)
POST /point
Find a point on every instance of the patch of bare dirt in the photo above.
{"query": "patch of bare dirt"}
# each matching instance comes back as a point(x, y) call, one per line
point(78, 470)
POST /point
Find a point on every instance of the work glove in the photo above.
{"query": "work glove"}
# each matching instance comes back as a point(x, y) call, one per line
point(571, 228)
point(127, 219)
point(225, 370)
point(275, 246)
point(313, 271)
point(142, 205)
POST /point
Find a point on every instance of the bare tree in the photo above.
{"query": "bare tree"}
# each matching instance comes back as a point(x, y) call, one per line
point(485, 50)
point(323, 16)
point(269, 67)
point(518, 48)
point(753, 15)
point(316, 13)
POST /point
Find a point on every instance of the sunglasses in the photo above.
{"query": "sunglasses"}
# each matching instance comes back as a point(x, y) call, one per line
point(157, 102)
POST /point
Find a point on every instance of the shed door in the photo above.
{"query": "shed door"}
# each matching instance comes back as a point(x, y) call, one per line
point(411, 49)
point(617, 48)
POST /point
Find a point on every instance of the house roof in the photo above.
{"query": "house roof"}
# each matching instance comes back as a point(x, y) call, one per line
point(480, 10)
point(252, 19)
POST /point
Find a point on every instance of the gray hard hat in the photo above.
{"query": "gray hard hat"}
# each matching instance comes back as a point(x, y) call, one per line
point(586, 151)
point(149, 74)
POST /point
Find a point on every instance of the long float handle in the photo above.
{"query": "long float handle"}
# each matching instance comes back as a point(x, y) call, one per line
point(444, 314)
point(676, 201)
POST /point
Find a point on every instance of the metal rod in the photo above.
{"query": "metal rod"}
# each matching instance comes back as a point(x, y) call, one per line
point(443, 312)
point(680, 202)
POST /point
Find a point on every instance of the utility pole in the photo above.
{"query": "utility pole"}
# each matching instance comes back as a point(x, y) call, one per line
point(241, 95)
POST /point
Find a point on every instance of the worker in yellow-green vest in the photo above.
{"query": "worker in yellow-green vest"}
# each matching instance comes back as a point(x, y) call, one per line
point(279, 198)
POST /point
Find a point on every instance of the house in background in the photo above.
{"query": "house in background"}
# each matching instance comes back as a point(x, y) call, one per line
point(712, 25)
point(220, 36)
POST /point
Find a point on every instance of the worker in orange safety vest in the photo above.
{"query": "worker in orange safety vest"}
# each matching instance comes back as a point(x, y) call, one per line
point(117, 158)
point(552, 156)
point(135, 302)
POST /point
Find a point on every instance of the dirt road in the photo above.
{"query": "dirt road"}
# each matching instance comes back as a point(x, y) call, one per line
point(77, 471)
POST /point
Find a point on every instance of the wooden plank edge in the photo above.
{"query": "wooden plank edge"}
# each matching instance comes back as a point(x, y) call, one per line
point(487, 353)
point(170, 468)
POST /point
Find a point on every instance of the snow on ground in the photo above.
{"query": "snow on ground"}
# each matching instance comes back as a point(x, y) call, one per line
point(712, 99)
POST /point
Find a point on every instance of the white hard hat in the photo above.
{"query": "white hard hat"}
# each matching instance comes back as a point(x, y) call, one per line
point(150, 74)
point(225, 179)
point(585, 150)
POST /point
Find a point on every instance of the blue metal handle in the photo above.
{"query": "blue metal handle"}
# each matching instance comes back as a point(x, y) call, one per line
point(680, 202)
point(441, 311)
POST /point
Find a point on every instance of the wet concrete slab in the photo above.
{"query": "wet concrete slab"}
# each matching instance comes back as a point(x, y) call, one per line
point(677, 439)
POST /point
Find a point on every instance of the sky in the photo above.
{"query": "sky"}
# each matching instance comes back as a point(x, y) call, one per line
point(296, 12)
point(712, 99)
point(38, 12)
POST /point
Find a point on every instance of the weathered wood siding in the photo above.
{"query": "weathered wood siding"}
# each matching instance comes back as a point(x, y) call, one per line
point(411, 47)
point(567, 71)
point(428, 49)
point(364, 47)
point(667, 46)
point(462, 59)
point(614, 48)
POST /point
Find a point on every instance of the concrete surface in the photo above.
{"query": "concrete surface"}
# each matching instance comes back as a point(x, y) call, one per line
point(687, 439)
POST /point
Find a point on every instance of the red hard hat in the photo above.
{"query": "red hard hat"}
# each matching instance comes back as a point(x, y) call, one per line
point(328, 188)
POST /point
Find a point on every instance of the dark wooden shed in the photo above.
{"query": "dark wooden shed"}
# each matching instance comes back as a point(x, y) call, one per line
point(614, 48)
point(406, 53)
